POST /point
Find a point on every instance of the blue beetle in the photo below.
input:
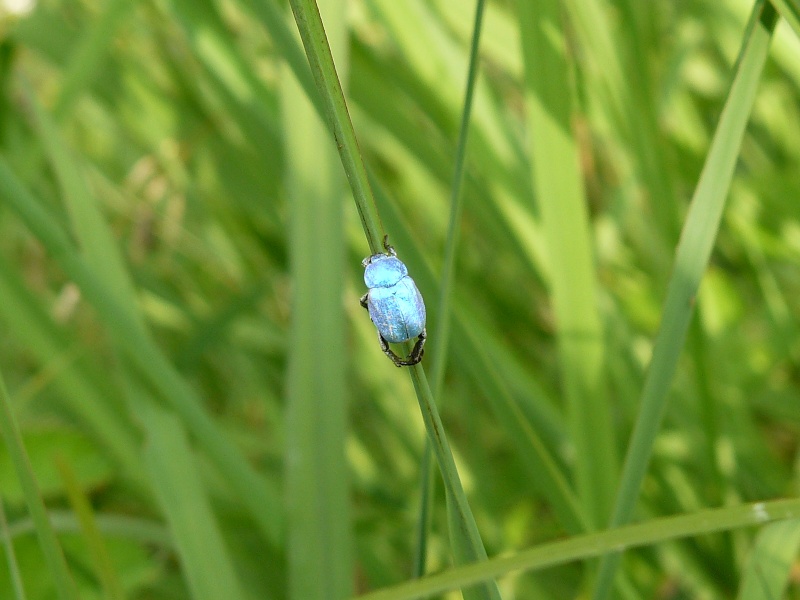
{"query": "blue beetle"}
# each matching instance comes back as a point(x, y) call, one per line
point(394, 304)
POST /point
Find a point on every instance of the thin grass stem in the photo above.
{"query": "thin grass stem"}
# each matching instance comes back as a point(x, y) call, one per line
point(441, 337)
point(586, 546)
point(467, 544)
point(312, 32)
point(53, 555)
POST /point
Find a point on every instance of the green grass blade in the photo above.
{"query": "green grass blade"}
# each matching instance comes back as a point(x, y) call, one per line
point(11, 556)
point(249, 102)
point(770, 563)
point(94, 237)
point(104, 568)
point(473, 351)
point(287, 47)
point(92, 49)
point(54, 557)
point(618, 72)
point(206, 564)
point(789, 10)
point(595, 544)
point(422, 530)
point(215, 46)
point(464, 535)
point(441, 335)
point(88, 223)
point(78, 384)
point(691, 260)
point(105, 260)
point(467, 544)
point(317, 490)
point(261, 499)
point(557, 182)
point(312, 32)
point(545, 475)
point(145, 530)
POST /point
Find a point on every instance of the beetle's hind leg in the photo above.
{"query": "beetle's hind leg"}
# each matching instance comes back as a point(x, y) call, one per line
point(412, 359)
point(418, 351)
point(363, 300)
point(398, 362)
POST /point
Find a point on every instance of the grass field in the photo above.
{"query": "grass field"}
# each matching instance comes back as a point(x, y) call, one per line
point(598, 199)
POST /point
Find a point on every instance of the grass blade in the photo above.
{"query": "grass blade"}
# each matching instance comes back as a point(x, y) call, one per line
point(147, 358)
point(105, 260)
point(312, 32)
point(595, 544)
point(440, 340)
point(789, 10)
point(54, 557)
point(90, 53)
point(148, 531)
point(467, 544)
point(464, 535)
point(770, 564)
point(691, 259)
point(88, 223)
point(109, 580)
point(545, 475)
point(441, 335)
point(81, 394)
point(11, 556)
point(206, 563)
point(558, 184)
point(317, 487)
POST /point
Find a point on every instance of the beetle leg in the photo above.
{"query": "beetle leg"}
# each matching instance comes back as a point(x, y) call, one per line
point(412, 359)
point(418, 351)
point(398, 362)
point(363, 300)
point(386, 246)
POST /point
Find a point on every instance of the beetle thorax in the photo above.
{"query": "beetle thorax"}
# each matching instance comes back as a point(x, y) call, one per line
point(384, 271)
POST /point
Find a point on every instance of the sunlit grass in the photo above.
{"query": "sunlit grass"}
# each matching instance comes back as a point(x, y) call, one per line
point(180, 272)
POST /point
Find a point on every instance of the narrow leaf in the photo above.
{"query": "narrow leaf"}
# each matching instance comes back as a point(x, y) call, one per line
point(206, 563)
point(595, 544)
point(317, 499)
point(691, 260)
point(54, 557)
point(770, 564)
point(557, 181)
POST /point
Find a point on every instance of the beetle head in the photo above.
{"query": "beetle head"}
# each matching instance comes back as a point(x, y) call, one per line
point(383, 270)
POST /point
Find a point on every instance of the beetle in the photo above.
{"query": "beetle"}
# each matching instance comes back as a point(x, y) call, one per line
point(394, 304)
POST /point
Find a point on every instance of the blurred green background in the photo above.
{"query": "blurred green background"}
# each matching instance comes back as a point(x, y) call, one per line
point(170, 205)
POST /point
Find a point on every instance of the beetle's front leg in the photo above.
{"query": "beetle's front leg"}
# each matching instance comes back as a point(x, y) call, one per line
point(388, 247)
point(364, 300)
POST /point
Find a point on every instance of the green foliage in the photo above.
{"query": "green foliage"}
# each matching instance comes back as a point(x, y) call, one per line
point(204, 405)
